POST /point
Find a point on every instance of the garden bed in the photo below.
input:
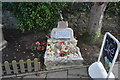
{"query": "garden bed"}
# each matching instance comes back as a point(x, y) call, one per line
point(19, 46)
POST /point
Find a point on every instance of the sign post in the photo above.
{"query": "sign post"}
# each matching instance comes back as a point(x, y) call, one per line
point(108, 55)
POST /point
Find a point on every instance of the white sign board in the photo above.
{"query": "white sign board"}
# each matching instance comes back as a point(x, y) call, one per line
point(108, 55)
point(62, 34)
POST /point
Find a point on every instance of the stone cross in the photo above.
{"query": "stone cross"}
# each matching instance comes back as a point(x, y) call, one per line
point(62, 24)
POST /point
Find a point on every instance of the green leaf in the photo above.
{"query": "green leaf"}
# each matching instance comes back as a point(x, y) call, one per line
point(35, 16)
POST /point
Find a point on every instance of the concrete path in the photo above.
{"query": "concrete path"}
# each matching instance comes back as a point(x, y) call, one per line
point(79, 72)
point(75, 72)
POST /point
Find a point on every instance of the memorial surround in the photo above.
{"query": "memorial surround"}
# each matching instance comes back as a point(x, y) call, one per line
point(62, 48)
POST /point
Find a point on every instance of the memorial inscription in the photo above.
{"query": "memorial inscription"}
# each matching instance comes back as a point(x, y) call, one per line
point(62, 34)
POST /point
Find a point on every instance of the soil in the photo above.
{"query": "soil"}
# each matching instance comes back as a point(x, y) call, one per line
point(19, 46)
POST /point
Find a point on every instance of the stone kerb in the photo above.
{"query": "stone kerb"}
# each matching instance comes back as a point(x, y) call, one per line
point(2, 41)
point(62, 40)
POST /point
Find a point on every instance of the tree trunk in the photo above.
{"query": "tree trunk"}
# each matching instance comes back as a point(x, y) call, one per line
point(95, 23)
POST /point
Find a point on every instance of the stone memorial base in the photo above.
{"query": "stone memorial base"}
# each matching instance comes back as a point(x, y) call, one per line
point(3, 45)
point(62, 62)
point(3, 42)
point(52, 58)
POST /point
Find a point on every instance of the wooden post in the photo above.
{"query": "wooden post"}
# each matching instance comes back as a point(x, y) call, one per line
point(0, 70)
point(7, 67)
point(29, 66)
point(15, 68)
point(22, 67)
point(39, 68)
point(35, 64)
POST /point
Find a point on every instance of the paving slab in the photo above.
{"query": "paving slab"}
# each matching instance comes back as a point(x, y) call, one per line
point(37, 76)
point(73, 76)
point(116, 70)
point(77, 73)
point(60, 74)
point(11, 78)
point(70, 73)
point(79, 79)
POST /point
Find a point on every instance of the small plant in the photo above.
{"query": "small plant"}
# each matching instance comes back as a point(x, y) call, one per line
point(39, 47)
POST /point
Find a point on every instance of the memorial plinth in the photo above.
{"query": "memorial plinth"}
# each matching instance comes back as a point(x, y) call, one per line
point(61, 49)
point(2, 41)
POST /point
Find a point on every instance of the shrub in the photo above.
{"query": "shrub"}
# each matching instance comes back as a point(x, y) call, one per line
point(36, 16)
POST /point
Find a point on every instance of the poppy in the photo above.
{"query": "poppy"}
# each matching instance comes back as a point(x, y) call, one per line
point(63, 52)
point(44, 44)
point(61, 43)
point(38, 48)
point(37, 43)
point(43, 47)
point(60, 55)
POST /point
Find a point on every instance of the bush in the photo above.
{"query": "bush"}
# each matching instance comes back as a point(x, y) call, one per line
point(35, 16)
point(113, 8)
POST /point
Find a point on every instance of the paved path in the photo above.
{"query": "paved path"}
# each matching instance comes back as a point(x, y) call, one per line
point(79, 72)
point(75, 72)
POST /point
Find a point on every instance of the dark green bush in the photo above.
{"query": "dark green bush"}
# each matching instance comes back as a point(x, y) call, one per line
point(36, 16)
point(113, 8)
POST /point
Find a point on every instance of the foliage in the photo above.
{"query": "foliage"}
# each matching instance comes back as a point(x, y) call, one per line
point(113, 8)
point(35, 16)
point(78, 7)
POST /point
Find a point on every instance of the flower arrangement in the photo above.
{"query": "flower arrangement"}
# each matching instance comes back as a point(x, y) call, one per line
point(39, 46)
point(62, 53)
point(61, 48)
